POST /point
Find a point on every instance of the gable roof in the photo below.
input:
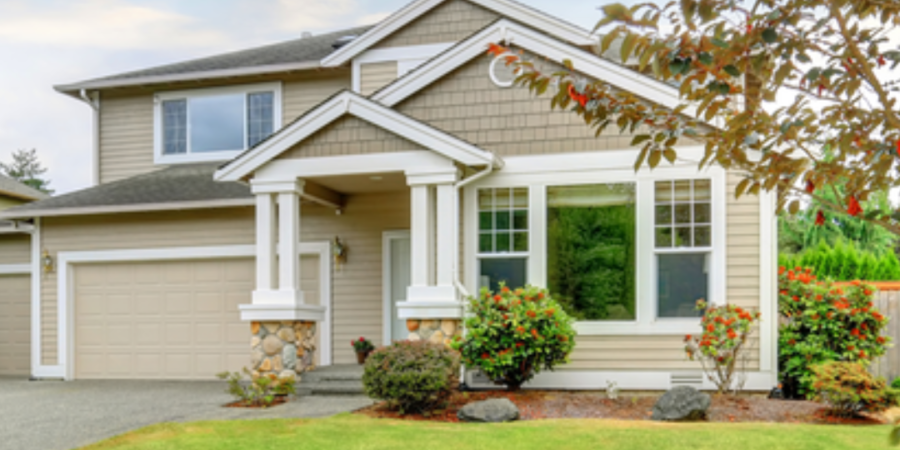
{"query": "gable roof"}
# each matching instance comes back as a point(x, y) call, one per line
point(508, 8)
point(339, 105)
point(297, 54)
point(505, 30)
point(17, 189)
point(175, 187)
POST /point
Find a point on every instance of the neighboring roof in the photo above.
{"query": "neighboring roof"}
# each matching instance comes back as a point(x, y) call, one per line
point(13, 188)
point(297, 54)
point(339, 105)
point(175, 187)
point(508, 8)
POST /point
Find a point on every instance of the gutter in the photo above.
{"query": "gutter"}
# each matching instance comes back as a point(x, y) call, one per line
point(494, 163)
point(95, 138)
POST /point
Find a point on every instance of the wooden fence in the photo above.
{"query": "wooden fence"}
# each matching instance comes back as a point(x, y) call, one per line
point(887, 300)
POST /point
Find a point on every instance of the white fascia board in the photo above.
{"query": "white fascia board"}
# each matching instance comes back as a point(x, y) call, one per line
point(542, 44)
point(403, 53)
point(367, 110)
point(190, 76)
point(118, 209)
point(290, 169)
point(411, 12)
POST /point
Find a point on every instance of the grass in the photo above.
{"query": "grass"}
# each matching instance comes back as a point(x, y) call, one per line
point(348, 431)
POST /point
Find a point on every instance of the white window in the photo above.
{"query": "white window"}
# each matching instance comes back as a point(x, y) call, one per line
point(623, 253)
point(214, 124)
point(502, 237)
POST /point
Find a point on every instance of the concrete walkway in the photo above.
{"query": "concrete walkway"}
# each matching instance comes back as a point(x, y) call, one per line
point(56, 415)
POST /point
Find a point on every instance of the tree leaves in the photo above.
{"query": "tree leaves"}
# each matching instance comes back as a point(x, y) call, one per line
point(770, 36)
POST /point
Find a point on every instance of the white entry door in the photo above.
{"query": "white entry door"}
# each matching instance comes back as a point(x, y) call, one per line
point(396, 280)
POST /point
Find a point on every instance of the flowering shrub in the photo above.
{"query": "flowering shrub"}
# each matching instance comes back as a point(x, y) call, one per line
point(722, 346)
point(514, 334)
point(821, 322)
point(362, 345)
point(413, 377)
point(848, 388)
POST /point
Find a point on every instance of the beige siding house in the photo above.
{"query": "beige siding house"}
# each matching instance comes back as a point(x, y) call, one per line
point(364, 183)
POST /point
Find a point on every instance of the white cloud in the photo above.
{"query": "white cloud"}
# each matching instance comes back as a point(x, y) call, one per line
point(112, 24)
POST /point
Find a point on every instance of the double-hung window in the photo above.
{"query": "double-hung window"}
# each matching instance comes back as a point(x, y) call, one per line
point(502, 237)
point(216, 123)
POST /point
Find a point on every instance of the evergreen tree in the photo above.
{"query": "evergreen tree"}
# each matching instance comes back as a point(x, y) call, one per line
point(27, 169)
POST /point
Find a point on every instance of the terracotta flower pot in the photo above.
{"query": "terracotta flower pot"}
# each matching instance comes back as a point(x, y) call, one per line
point(361, 356)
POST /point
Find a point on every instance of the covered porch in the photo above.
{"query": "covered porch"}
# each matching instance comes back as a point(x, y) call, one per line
point(390, 208)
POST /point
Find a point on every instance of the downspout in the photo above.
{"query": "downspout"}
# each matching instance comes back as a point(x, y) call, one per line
point(456, 281)
point(95, 138)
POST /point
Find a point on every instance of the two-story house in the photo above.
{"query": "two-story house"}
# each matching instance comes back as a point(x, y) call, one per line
point(264, 207)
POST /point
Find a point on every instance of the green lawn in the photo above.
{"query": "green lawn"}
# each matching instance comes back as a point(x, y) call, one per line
point(357, 432)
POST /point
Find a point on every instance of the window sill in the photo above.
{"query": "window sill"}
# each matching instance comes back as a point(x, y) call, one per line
point(196, 157)
point(660, 327)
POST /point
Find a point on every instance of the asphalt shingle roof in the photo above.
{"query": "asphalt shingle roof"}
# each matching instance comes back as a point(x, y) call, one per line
point(15, 188)
point(311, 49)
point(181, 183)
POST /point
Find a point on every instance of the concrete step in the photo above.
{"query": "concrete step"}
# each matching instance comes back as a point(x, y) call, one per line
point(330, 388)
point(334, 373)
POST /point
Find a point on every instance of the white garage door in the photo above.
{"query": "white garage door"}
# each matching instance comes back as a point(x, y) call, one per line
point(15, 325)
point(164, 320)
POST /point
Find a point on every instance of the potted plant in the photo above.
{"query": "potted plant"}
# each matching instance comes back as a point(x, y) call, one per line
point(363, 347)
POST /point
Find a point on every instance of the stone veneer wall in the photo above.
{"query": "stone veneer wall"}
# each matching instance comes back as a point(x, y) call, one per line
point(282, 349)
point(434, 330)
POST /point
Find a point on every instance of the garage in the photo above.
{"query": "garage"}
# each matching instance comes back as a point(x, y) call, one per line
point(165, 320)
point(15, 325)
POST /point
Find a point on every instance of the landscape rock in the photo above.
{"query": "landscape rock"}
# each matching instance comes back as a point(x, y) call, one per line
point(681, 403)
point(494, 410)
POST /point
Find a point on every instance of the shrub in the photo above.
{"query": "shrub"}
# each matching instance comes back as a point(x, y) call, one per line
point(514, 334)
point(259, 391)
point(413, 377)
point(722, 346)
point(821, 322)
point(896, 383)
point(845, 261)
point(848, 389)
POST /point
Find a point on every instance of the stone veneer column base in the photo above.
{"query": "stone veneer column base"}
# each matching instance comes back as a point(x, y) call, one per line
point(282, 349)
point(434, 330)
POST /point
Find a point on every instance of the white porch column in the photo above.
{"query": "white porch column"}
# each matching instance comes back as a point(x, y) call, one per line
point(447, 234)
point(289, 243)
point(422, 235)
point(265, 242)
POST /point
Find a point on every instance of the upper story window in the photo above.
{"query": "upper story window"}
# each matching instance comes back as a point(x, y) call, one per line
point(215, 124)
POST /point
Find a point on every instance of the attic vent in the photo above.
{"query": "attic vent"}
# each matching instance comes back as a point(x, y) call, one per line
point(694, 380)
point(342, 41)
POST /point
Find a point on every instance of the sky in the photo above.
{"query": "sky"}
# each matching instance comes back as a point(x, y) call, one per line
point(51, 42)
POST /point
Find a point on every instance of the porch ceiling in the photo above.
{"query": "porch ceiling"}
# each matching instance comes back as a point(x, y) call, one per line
point(363, 183)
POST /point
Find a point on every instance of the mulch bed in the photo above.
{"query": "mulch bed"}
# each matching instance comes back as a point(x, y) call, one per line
point(535, 405)
point(239, 404)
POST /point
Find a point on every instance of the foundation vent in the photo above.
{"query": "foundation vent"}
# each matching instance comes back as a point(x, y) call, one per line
point(694, 380)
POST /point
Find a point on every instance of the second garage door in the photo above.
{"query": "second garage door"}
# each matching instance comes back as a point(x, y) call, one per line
point(15, 325)
point(165, 320)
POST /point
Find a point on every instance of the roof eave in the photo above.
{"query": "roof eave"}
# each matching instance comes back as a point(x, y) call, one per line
point(74, 88)
point(12, 214)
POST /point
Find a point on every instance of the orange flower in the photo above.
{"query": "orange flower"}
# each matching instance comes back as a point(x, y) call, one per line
point(540, 296)
point(504, 290)
point(497, 298)
point(520, 329)
point(534, 333)
point(687, 338)
point(531, 314)
point(855, 332)
point(731, 334)
point(549, 312)
point(710, 328)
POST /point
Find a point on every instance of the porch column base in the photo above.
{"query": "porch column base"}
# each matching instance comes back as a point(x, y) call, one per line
point(430, 310)
point(282, 349)
point(285, 297)
point(277, 313)
point(438, 331)
point(432, 294)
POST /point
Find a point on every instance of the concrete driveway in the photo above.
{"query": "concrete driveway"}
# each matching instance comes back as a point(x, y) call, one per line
point(56, 415)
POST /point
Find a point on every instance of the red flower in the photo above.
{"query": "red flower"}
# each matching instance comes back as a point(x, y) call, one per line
point(851, 348)
point(855, 332)
point(534, 333)
point(687, 338)
point(853, 207)
point(880, 339)
point(781, 270)
point(710, 328)
point(810, 186)
point(520, 329)
point(519, 344)
point(549, 312)
point(531, 314)
point(362, 339)
point(497, 298)
point(540, 296)
point(792, 342)
point(485, 356)
point(731, 334)
point(862, 353)
point(881, 61)
point(820, 218)
point(504, 290)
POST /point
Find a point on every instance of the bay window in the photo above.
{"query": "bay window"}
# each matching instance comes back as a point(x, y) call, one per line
point(214, 124)
point(620, 253)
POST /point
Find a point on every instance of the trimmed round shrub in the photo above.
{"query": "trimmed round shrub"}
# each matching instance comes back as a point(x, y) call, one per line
point(412, 377)
point(514, 334)
point(821, 322)
point(848, 389)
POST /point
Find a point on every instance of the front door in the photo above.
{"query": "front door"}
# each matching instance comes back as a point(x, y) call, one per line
point(396, 280)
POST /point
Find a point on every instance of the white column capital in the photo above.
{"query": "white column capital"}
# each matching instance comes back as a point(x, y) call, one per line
point(295, 186)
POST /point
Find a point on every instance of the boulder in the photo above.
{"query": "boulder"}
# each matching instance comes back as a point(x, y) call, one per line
point(494, 410)
point(681, 403)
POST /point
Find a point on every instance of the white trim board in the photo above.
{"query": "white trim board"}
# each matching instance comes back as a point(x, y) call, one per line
point(638, 380)
point(15, 269)
point(358, 106)
point(514, 10)
point(38, 368)
point(542, 44)
point(387, 282)
point(66, 262)
point(141, 207)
